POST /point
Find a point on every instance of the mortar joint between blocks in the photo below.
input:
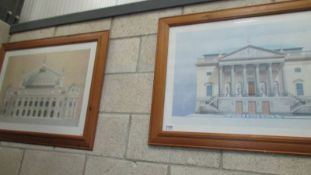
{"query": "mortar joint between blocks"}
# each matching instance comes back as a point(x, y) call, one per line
point(139, 54)
point(221, 160)
point(85, 162)
point(168, 170)
point(21, 162)
point(128, 135)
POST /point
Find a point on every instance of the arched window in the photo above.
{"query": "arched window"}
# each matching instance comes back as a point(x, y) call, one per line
point(45, 113)
point(34, 113)
point(209, 89)
point(17, 113)
point(299, 89)
point(39, 113)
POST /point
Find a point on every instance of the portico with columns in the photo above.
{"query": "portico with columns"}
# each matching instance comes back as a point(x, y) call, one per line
point(254, 80)
point(251, 79)
point(43, 98)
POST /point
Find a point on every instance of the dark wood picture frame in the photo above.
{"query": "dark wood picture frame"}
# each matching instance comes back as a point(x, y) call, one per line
point(86, 141)
point(242, 142)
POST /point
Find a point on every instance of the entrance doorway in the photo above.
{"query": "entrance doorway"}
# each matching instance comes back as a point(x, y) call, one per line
point(239, 107)
point(251, 88)
point(252, 107)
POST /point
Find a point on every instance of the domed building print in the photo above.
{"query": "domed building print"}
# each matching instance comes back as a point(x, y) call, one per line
point(42, 96)
point(44, 89)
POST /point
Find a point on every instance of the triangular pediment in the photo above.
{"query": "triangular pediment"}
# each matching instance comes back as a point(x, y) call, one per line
point(252, 52)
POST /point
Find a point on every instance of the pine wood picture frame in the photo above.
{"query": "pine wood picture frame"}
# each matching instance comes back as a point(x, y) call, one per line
point(162, 126)
point(51, 90)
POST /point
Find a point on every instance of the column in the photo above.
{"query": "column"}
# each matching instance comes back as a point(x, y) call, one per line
point(221, 81)
point(244, 80)
point(257, 80)
point(232, 81)
point(270, 79)
point(284, 87)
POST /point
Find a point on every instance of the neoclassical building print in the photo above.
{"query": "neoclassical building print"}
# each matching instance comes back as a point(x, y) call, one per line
point(255, 80)
point(42, 95)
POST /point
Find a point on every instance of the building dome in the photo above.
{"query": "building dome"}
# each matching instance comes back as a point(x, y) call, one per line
point(44, 77)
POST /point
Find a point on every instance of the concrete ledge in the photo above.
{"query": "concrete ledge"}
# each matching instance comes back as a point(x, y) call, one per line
point(103, 13)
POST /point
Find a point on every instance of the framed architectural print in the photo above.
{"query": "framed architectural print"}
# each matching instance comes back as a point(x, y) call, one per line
point(50, 90)
point(235, 79)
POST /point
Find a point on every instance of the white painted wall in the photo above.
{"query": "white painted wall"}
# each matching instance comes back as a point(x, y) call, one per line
point(40, 9)
point(4, 32)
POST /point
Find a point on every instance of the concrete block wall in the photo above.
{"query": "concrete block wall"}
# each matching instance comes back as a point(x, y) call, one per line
point(121, 140)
